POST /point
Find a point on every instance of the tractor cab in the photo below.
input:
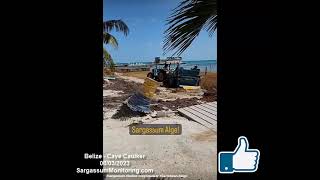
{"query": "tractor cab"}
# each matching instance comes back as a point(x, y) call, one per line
point(172, 74)
point(163, 67)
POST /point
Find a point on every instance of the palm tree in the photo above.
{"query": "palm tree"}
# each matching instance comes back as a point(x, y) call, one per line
point(108, 26)
point(186, 21)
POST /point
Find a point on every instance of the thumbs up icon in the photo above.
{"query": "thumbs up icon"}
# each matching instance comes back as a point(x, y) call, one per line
point(242, 159)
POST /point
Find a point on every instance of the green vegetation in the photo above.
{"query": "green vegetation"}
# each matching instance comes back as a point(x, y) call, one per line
point(186, 22)
point(108, 39)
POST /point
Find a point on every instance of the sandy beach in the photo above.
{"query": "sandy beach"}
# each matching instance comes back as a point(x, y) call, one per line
point(193, 153)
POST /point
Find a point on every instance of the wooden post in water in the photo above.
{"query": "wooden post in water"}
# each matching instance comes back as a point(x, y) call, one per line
point(205, 72)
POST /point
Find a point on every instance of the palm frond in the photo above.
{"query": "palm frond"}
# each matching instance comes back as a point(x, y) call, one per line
point(109, 39)
point(107, 59)
point(106, 55)
point(118, 25)
point(186, 22)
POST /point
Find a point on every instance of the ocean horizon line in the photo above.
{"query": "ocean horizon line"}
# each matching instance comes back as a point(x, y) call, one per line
point(142, 61)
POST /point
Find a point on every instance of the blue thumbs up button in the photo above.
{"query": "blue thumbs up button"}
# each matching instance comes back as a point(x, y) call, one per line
point(242, 159)
point(226, 162)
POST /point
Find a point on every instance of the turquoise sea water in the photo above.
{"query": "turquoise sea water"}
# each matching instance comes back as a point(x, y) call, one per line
point(210, 65)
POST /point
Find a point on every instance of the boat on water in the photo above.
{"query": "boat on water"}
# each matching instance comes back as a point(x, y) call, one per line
point(133, 66)
point(168, 60)
point(141, 66)
point(137, 64)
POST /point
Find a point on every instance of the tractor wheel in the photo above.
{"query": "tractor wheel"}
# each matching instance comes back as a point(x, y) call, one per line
point(161, 77)
point(150, 75)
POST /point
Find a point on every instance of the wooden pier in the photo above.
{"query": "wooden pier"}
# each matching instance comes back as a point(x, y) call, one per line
point(204, 114)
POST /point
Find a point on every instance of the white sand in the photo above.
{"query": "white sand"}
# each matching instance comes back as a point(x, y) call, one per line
point(112, 93)
point(193, 153)
point(128, 78)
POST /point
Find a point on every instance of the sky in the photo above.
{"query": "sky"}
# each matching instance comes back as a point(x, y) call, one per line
point(146, 22)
